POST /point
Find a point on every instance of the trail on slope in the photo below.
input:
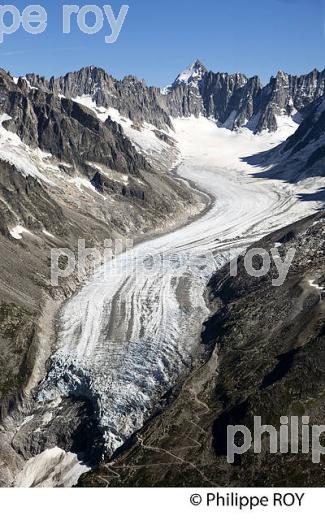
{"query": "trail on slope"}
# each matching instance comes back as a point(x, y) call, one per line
point(133, 330)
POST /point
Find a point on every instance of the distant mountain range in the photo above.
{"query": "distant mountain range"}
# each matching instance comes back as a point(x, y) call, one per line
point(93, 124)
point(232, 100)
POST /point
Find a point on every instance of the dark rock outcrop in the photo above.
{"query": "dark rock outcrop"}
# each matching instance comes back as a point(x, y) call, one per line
point(70, 425)
point(301, 155)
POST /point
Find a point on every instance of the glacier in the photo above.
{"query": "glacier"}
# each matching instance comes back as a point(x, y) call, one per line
point(132, 331)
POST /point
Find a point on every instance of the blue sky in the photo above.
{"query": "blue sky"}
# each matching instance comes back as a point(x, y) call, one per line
point(161, 37)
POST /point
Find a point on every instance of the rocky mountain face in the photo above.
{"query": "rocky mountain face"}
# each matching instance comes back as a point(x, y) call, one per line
point(66, 129)
point(308, 142)
point(215, 95)
point(286, 95)
point(302, 154)
point(232, 100)
point(131, 97)
point(261, 342)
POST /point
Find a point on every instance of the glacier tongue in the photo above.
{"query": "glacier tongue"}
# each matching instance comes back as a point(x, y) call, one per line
point(132, 332)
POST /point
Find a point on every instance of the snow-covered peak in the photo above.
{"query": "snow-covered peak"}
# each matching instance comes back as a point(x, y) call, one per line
point(281, 75)
point(193, 73)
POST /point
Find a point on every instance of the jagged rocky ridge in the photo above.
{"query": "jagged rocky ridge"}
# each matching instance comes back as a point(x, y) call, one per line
point(131, 97)
point(232, 100)
point(66, 129)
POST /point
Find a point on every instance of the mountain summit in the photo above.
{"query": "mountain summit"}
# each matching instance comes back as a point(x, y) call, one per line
point(194, 72)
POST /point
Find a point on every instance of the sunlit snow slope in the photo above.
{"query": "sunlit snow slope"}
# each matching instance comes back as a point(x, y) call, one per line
point(131, 332)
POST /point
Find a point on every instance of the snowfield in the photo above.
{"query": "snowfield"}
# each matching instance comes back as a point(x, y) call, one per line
point(133, 330)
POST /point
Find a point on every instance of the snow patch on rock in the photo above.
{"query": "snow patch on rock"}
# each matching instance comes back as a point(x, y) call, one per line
point(52, 468)
point(18, 231)
point(24, 158)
